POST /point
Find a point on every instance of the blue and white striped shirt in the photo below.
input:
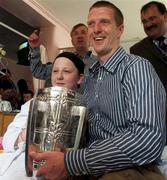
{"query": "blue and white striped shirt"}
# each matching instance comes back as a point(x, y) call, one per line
point(127, 103)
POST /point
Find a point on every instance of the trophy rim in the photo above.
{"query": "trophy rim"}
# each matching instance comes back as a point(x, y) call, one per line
point(57, 88)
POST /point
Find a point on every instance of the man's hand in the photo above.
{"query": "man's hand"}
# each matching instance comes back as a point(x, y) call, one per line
point(54, 167)
point(33, 39)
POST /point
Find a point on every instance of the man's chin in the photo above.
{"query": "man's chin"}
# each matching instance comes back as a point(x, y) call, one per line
point(80, 47)
point(152, 34)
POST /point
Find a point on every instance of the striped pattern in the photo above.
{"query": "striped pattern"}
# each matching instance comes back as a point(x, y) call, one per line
point(126, 120)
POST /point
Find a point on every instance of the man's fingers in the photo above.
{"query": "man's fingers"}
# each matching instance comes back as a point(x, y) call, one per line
point(37, 31)
point(41, 171)
point(35, 156)
point(38, 156)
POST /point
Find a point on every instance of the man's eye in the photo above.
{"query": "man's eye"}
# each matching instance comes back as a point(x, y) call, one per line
point(90, 24)
point(153, 18)
point(105, 21)
point(83, 32)
point(75, 33)
point(144, 21)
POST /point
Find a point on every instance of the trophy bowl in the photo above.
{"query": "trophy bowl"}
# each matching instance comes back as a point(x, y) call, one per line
point(55, 121)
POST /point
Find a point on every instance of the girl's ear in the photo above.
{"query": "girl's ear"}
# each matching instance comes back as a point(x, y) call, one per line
point(81, 79)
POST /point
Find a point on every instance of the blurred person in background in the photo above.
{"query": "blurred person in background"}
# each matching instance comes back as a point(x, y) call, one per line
point(154, 46)
point(11, 95)
point(6, 81)
point(22, 87)
point(79, 39)
point(27, 95)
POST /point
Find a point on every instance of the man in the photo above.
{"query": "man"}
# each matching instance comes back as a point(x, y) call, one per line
point(79, 39)
point(154, 20)
point(126, 102)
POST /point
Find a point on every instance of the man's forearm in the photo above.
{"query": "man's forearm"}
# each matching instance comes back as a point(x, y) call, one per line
point(39, 70)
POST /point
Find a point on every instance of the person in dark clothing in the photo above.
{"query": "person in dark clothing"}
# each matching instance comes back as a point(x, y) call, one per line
point(154, 46)
point(6, 81)
point(154, 20)
point(22, 87)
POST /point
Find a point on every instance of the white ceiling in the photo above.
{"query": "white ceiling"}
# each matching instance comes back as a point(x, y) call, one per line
point(71, 12)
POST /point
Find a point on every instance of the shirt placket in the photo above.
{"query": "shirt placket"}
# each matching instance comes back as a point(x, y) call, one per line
point(97, 89)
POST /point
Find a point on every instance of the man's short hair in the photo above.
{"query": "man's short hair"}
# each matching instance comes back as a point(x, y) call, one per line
point(77, 26)
point(160, 6)
point(117, 12)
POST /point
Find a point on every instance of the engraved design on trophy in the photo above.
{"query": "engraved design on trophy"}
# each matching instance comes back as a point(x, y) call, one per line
point(56, 120)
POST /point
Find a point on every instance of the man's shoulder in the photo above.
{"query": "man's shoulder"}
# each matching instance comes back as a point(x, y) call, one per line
point(144, 42)
point(90, 57)
point(34, 50)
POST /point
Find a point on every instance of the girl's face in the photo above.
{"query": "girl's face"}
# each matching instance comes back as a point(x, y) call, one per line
point(65, 74)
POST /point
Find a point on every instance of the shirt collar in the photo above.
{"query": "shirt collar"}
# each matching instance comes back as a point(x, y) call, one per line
point(112, 62)
point(87, 56)
point(165, 35)
point(156, 41)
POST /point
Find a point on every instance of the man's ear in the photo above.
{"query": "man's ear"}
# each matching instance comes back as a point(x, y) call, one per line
point(165, 17)
point(121, 30)
point(72, 42)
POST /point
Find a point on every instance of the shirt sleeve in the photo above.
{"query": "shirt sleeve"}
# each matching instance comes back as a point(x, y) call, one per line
point(142, 141)
point(15, 127)
point(39, 70)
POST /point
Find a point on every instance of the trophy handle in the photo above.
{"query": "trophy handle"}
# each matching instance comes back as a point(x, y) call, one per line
point(28, 164)
point(79, 111)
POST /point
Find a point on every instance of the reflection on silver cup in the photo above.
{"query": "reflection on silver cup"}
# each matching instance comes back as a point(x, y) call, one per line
point(56, 120)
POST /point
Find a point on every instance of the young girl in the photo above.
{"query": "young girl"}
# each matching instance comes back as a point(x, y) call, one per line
point(67, 71)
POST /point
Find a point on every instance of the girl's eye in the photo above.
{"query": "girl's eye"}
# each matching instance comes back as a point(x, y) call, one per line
point(66, 71)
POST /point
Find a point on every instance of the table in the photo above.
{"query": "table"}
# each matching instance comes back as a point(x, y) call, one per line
point(5, 119)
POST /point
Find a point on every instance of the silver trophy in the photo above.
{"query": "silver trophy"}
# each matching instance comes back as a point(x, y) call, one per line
point(56, 121)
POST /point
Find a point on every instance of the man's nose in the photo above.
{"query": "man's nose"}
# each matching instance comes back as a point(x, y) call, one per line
point(97, 28)
point(148, 24)
point(80, 37)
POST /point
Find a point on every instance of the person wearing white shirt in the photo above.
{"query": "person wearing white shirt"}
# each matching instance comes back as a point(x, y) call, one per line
point(67, 71)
